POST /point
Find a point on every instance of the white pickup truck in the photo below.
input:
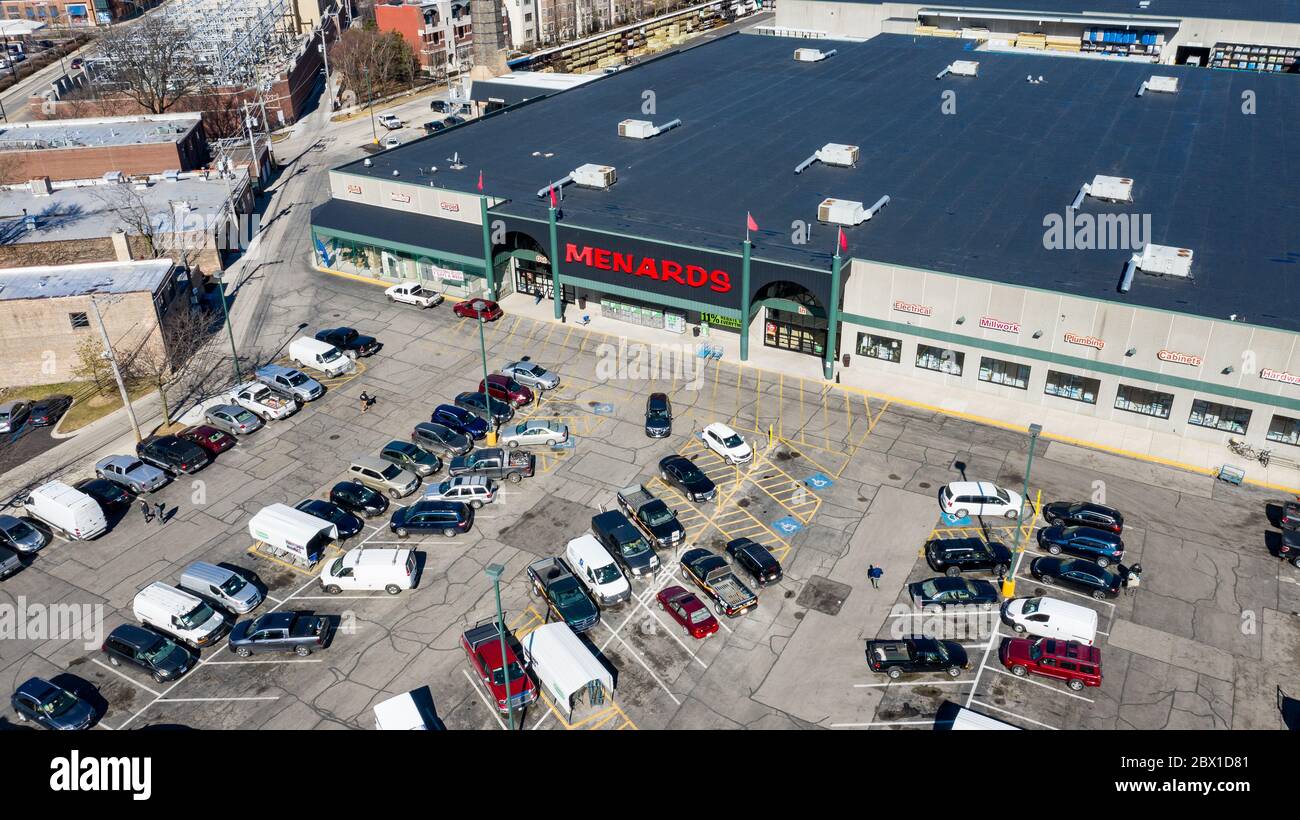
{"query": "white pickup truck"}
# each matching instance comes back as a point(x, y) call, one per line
point(260, 400)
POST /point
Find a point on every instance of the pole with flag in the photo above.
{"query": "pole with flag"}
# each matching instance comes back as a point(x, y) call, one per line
point(750, 225)
point(480, 181)
point(557, 289)
point(833, 309)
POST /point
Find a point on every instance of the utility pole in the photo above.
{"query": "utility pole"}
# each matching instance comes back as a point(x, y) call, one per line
point(252, 145)
point(325, 55)
point(117, 374)
point(370, 103)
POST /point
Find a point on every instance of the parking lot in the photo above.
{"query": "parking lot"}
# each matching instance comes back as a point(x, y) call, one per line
point(841, 479)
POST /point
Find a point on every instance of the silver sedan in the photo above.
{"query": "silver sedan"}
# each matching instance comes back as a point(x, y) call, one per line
point(534, 431)
point(232, 419)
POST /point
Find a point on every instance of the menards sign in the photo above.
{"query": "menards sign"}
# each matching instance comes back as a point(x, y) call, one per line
point(662, 270)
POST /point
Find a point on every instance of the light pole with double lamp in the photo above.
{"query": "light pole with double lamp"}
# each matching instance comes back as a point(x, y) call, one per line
point(495, 571)
point(220, 279)
point(479, 306)
point(1009, 583)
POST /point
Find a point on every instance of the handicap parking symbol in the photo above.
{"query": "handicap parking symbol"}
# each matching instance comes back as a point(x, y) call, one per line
point(818, 481)
point(567, 444)
point(602, 409)
point(954, 521)
point(787, 526)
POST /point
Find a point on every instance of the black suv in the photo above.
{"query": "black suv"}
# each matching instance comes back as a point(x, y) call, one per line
point(349, 340)
point(658, 416)
point(1084, 514)
point(158, 655)
point(681, 472)
point(348, 524)
point(446, 517)
point(172, 454)
point(358, 498)
point(953, 556)
point(754, 558)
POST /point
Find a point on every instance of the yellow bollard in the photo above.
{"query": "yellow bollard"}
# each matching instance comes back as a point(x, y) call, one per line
point(1009, 588)
point(492, 438)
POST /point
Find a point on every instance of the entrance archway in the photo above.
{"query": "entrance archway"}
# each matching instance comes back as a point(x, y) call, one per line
point(522, 264)
point(793, 318)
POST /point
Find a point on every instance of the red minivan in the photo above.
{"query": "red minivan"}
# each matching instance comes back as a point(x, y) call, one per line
point(1072, 662)
point(501, 386)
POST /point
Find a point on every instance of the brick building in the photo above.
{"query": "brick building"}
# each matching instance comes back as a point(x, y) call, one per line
point(46, 314)
point(439, 31)
point(87, 148)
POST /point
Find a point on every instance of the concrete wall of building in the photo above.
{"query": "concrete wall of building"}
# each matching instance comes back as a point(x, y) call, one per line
point(38, 342)
point(1230, 363)
point(91, 162)
point(205, 254)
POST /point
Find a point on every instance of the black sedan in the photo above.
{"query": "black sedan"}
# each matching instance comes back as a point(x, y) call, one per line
point(485, 406)
point(358, 498)
point(1076, 573)
point(447, 517)
point(755, 559)
point(947, 591)
point(349, 341)
point(109, 494)
point(348, 524)
point(49, 410)
point(681, 472)
point(1084, 514)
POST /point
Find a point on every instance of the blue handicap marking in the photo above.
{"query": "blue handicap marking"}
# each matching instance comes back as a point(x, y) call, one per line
point(954, 521)
point(787, 526)
point(567, 444)
point(818, 481)
point(602, 409)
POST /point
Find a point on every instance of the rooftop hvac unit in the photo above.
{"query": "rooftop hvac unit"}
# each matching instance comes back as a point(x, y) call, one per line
point(591, 175)
point(833, 153)
point(962, 68)
point(1164, 260)
point(636, 129)
point(1111, 189)
point(811, 55)
point(1167, 85)
point(847, 212)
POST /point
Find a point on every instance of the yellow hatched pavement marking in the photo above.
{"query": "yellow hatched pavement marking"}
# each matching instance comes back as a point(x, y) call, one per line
point(593, 721)
point(527, 621)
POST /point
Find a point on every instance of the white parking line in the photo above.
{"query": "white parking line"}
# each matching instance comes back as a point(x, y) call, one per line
point(980, 672)
point(214, 700)
point(614, 634)
point(1013, 714)
point(124, 677)
point(882, 723)
point(1058, 588)
point(491, 706)
point(252, 663)
point(384, 597)
point(914, 683)
point(1027, 679)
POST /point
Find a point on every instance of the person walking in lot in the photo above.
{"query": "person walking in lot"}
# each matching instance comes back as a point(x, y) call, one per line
point(873, 574)
point(162, 512)
point(366, 401)
point(147, 510)
point(1132, 578)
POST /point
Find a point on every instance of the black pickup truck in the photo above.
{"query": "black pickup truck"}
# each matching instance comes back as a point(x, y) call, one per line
point(563, 593)
point(894, 658)
point(299, 632)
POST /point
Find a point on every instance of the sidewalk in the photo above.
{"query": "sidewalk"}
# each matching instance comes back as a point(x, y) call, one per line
point(1166, 449)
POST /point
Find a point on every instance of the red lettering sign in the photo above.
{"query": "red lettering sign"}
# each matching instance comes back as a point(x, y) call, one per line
point(665, 270)
point(1279, 376)
point(989, 323)
point(1178, 358)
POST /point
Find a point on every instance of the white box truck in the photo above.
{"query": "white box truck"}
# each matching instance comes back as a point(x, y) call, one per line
point(68, 511)
point(319, 356)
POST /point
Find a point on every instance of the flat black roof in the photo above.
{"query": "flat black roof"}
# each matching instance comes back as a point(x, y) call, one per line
point(969, 190)
point(1273, 11)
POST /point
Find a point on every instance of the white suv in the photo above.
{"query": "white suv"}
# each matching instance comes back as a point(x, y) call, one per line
point(963, 498)
point(727, 443)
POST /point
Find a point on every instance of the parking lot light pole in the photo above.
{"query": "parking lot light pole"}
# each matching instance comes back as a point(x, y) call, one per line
point(225, 314)
point(495, 571)
point(479, 305)
point(1009, 583)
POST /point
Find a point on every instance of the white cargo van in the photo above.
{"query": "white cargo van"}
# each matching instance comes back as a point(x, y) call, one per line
point(1050, 618)
point(389, 570)
point(68, 511)
point(226, 587)
point(595, 566)
point(319, 356)
point(282, 527)
point(178, 613)
point(399, 712)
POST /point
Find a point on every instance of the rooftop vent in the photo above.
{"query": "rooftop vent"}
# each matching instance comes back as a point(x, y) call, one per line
point(811, 55)
point(591, 175)
point(1111, 189)
point(962, 68)
point(1159, 260)
point(832, 153)
point(847, 212)
point(644, 129)
point(1166, 85)
point(113, 176)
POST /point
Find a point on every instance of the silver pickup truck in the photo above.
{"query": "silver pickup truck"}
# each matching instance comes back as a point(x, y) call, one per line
point(712, 574)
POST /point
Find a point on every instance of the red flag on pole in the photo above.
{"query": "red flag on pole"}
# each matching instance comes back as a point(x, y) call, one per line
point(844, 242)
point(480, 180)
point(554, 202)
point(750, 224)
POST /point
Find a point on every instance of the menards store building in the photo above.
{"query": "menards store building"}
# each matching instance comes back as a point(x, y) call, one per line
point(979, 275)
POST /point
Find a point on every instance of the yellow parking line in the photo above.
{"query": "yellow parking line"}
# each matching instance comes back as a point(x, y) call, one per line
point(254, 550)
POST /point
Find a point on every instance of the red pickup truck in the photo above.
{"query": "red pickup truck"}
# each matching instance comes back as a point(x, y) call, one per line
point(483, 645)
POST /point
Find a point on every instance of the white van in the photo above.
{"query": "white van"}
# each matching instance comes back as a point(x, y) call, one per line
point(319, 356)
point(178, 613)
point(595, 566)
point(69, 511)
point(389, 570)
point(1050, 618)
point(281, 527)
point(399, 712)
point(227, 587)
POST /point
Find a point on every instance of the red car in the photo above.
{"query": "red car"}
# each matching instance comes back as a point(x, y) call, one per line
point(483, 645)
point(501, 386)
point(212, 440)
point(484, 309)
point(688, 611)
point(1072, 662)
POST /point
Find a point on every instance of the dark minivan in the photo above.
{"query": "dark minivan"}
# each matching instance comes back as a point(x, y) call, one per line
point(158, 655)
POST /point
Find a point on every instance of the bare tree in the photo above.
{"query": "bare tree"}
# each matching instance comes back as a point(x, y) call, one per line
point(162, 232)
point(187, 338)
point(373, 63)
point(151, 62)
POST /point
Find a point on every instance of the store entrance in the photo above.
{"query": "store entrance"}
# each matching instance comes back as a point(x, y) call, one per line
point(535, 280)
point(789, 330)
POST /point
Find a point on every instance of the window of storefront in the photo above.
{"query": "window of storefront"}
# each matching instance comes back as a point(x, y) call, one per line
point(795, 331)
point(534, 278)
point(1008, 374)
point(1070, 386)
point(880, 347)
point(643, 315)
point(1284, 430)
point(1146, 402)
point(939, 359)
point(1219, 417)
